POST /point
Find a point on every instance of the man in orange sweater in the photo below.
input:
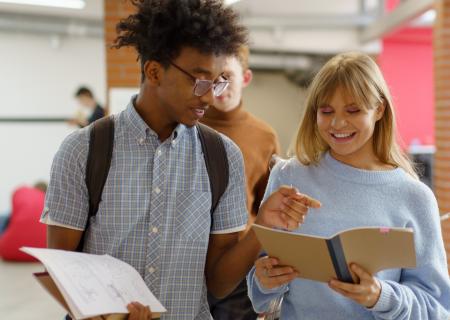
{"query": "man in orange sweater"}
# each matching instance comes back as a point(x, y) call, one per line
point(258, 142)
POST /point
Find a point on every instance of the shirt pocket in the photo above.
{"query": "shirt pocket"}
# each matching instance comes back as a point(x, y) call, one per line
point(193, 217)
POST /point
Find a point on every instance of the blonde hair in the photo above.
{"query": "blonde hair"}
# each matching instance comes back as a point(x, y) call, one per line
point(359, 76)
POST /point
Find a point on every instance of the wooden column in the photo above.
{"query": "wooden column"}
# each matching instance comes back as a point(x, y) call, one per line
point(442, 114)
point(122, 67)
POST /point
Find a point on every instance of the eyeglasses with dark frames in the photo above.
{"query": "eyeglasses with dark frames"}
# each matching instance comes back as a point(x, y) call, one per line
point(201, 87)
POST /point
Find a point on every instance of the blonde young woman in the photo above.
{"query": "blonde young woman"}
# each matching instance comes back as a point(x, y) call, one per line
point(348, 158)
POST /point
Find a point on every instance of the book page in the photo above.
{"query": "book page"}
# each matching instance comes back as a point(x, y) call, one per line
point(95, 284)
point(379, 248)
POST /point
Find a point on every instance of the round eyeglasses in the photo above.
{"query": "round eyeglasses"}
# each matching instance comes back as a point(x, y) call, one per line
point(201, 87)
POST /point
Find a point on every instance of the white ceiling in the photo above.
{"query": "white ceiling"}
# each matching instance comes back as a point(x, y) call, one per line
point(301, 7)
point(92, 10)
point(284, 33)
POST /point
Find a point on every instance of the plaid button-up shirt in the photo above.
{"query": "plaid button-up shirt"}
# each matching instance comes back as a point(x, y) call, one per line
point(155, 207)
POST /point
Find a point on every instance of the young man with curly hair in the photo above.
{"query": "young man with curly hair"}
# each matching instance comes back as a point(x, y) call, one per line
point(155, 206)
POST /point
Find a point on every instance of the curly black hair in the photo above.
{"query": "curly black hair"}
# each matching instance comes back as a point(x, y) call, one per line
point(161, 28)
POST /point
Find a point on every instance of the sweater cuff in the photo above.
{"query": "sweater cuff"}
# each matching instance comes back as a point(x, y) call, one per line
point(268, 291)
point(385, 300)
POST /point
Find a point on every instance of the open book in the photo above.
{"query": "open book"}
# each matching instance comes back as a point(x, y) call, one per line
point(89, 285)
point(320, 259)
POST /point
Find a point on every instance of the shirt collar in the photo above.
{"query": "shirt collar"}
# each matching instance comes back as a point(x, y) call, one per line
point(141, 130)
point(177, 134)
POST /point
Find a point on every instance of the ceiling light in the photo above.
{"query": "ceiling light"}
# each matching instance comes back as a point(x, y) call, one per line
point(70, 4)
point(426, 19)
point(230, 2)
point(429, 16)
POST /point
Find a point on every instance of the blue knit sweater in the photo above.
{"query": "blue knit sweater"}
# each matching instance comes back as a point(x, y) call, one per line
point(353, 198)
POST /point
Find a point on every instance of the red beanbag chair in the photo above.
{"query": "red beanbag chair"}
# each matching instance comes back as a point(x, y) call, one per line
point(24, 228)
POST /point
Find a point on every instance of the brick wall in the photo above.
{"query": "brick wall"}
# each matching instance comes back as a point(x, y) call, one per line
point(123, 70)
point(442, 114)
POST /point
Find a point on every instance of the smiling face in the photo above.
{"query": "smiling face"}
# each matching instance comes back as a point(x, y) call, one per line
point(347, 128)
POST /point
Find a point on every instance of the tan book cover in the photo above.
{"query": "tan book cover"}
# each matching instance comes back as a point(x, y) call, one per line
point(321, 259)
point(92, 286)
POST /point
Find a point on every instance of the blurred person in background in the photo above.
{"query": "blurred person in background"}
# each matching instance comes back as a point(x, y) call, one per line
point(95, 111)
point(21, 226)
point(257, 142)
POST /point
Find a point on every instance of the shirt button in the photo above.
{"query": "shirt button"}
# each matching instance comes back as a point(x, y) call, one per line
point(151, 269)
point(157, 190)
point(155, 230)
point(173, 142)
point(158, 152)
point(141, 141)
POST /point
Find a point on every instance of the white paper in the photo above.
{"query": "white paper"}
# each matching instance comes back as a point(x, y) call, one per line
point(95, 284)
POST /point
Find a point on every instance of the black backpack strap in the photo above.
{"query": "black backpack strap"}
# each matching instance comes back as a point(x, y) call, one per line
point(101, 143)
point(216, 162)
